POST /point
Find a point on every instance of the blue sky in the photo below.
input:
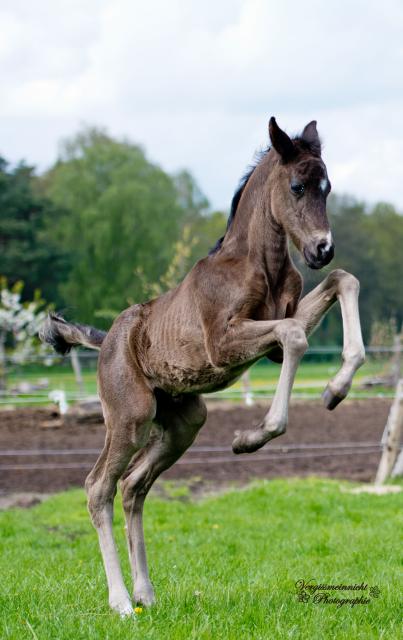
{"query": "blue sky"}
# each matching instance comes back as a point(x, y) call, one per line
point(196, 82)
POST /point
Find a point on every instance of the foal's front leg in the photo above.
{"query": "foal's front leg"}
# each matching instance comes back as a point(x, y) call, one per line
point(248, 339)
point(342, 286)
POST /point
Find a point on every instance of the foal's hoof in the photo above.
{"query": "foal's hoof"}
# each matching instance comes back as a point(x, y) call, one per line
point(330, 399)
point(248, 441)
point(144, 596)
point(122, 606)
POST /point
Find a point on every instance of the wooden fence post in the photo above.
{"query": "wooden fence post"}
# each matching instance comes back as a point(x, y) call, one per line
point(246, 389)
point(397, 358)
point(398, 468)
point(75, 363)
point(391, 436)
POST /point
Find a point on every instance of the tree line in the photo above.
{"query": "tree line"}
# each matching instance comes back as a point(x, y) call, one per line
point(103, 227)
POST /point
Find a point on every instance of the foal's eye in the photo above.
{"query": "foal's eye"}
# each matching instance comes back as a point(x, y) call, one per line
point(297, 188)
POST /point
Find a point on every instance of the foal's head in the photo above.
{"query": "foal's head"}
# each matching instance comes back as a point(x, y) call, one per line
point(300, 187)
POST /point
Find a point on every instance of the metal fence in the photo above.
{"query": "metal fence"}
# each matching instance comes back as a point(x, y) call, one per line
point(33, 459)
point(73, 378)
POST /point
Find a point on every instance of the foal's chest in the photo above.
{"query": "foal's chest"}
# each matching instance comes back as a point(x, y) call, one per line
point(280, 302)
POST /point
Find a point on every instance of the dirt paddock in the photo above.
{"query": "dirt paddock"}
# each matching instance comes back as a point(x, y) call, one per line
point(339, 444)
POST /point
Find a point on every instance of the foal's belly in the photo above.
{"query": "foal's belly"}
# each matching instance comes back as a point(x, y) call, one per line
point(175, 357)
point(187, 369)
point(196, 375)
point(177, 380)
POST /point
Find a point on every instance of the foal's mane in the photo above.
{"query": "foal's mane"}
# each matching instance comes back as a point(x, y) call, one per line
point(257, 159)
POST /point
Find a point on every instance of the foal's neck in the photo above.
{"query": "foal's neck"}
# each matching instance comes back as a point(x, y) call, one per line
point(254, 231)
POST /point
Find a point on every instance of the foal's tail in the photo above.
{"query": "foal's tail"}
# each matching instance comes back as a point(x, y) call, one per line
point(63, 335)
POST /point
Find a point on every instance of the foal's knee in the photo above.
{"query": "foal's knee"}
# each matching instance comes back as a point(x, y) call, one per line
point(292, 335)
point(343, 281)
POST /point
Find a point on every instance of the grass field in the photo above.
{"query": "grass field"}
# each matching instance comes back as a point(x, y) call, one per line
point(311, 379)
point(223, 568)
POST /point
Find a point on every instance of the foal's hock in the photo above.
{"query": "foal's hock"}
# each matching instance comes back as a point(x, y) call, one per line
point(238, 304)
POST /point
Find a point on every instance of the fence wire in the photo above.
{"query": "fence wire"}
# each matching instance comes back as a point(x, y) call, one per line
point(26, 392)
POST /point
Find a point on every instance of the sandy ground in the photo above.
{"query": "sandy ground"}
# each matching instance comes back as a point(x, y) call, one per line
point(317, 442)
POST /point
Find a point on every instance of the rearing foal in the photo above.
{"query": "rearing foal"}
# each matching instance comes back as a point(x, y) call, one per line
point(236, 305)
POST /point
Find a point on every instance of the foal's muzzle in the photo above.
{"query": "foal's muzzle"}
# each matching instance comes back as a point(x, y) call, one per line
point(319, 253)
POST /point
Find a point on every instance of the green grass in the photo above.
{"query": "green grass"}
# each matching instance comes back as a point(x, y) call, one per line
point(312, 377)
point(223, 568)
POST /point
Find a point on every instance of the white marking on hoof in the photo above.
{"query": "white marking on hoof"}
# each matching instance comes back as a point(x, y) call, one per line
point(122, 606)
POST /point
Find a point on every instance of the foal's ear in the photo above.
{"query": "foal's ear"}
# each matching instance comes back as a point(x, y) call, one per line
point(310, 135)
point(281, 141)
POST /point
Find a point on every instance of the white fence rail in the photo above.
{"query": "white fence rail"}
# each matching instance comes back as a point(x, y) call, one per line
point(249, 393)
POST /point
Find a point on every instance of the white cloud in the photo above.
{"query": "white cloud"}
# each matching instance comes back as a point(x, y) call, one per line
point(196, 82)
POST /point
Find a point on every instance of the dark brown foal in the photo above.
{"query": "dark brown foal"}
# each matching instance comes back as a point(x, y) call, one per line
point(236, 305)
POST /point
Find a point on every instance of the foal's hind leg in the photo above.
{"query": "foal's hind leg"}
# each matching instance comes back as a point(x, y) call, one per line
point(129, 410)
point(179, 422)
point(101, 489)
point(342, 286)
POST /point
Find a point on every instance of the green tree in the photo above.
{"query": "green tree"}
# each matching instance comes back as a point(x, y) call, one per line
point(205, 226)
point(385, 228)
point(367, 242)
point(122, 213)
point(190, 197)
point(26, 249)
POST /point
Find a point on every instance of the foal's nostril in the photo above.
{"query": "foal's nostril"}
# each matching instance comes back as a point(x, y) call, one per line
point(325, 252)
point(319, 255)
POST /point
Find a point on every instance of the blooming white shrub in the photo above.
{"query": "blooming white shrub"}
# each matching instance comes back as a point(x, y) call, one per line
point(19, 326)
